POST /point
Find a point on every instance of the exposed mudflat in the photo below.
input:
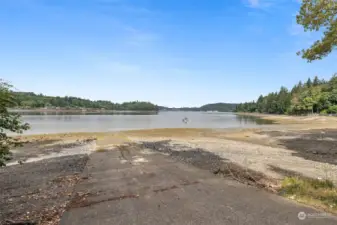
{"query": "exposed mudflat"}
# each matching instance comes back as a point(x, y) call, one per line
point(212, 162)
point(310, 152)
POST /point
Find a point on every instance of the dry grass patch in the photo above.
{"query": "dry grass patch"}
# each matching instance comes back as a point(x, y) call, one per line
point(318, 193)
point(102, 150)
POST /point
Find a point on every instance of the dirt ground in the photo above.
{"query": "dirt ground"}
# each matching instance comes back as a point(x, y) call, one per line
point(311, 152)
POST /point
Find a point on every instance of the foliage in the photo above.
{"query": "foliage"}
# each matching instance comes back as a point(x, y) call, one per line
point(332, 109)
point(9, 122)
point(316, 15)
point(317, 96)
point(31, 100)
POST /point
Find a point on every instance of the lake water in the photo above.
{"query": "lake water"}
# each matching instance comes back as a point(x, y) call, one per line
point(61, 123)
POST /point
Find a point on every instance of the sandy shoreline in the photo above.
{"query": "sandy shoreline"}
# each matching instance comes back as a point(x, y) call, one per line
point(314, 121)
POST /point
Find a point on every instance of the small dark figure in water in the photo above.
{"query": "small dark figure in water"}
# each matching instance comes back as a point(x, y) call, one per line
point(185, 120)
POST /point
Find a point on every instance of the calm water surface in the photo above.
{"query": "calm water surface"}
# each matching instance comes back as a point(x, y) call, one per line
point(60, 123)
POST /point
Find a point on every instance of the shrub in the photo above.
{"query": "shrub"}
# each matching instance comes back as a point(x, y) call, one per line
point(332, 109)
point(9, 122)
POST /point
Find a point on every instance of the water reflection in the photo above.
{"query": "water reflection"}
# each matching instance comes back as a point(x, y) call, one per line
point(244, 119)
point(60, 122)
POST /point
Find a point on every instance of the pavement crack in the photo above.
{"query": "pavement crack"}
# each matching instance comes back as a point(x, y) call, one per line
point(165, 189)
point(175, 186)
point(82, 202)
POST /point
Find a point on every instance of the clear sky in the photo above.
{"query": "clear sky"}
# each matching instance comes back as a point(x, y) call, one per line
point(169, 52)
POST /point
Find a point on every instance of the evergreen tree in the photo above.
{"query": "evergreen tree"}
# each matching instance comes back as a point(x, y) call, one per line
point(283, 100)
point(308, 83)
point(299, 85)
point(259, 104)
point(318, 15)
point(316, 81)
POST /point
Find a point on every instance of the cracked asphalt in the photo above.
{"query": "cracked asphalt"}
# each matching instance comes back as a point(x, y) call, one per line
point(143, 187)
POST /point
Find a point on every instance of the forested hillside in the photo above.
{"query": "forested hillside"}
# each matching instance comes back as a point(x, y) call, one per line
point(220, 107)
point(312, 96)
point(29, 100)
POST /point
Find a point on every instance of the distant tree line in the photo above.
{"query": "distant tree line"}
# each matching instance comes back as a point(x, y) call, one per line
point(312, 96)
point(220, 107)
point(29, 100)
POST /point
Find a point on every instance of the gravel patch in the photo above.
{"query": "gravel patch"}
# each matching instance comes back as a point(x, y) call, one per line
point(38, 193)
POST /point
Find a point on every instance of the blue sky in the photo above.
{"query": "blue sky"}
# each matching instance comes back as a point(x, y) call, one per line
point(173, 52)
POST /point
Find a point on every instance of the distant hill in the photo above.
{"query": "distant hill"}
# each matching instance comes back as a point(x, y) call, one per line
point(220, 107)
point(30, 100)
